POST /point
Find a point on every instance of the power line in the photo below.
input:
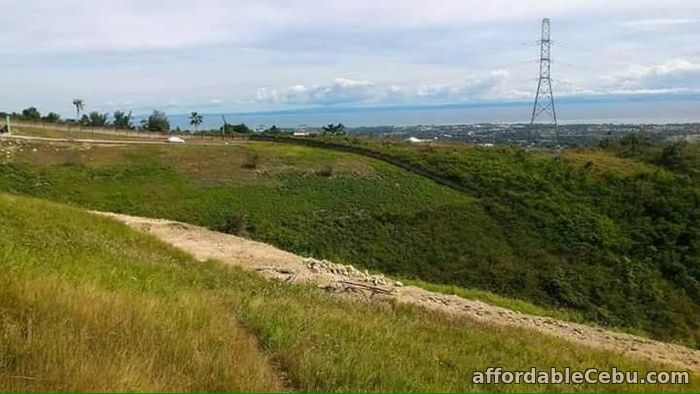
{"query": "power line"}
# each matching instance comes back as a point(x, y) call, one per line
point(544, 98)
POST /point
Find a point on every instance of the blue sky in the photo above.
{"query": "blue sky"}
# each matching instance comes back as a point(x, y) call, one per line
point(220, 56)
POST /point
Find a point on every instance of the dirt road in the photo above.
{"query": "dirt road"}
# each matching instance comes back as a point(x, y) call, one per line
point(277, 264)
point(81, 140)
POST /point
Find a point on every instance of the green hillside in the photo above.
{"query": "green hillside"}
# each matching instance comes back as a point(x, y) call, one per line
point(88, 304)
point(612, 239)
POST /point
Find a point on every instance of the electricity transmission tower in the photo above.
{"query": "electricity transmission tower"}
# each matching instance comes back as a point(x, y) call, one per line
point(544, 98)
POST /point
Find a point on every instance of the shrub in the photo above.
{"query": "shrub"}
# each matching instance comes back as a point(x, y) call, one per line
point(251, 161)
point(122, 120)
point(52, 117)
point(157, 121)
point(325, 170)
point(31, 113)
point(238, 224)
point(675, 155)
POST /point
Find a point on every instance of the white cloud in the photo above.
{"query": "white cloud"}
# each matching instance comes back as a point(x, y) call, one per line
point(673, 74)
point(647, 91)
point(488, 86)
point(673, 67)
point(340, 91)
point(38, 26)
point(658, 23)
point(391, 51)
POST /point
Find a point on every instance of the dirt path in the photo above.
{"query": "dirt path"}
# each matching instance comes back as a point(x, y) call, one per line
point(81, 140)
point(116, 142)
point(274, 263)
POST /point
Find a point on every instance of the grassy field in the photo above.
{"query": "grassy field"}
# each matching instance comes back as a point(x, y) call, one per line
point(613, 242)
point(109, 310)
point(88, 304)
point(282, 196)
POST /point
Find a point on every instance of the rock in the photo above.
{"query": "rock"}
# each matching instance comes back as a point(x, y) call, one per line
point(398, 284)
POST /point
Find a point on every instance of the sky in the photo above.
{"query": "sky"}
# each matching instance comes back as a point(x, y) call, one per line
point(263, 55)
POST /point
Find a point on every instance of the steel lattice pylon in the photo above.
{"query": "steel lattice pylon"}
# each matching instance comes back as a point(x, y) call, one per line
point(544, 98)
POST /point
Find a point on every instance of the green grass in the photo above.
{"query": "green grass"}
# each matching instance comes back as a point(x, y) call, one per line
point(609, 233)
point(616, 248)
point(88, 304)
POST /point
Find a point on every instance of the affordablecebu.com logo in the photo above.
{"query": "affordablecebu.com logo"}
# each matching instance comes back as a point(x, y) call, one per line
point(567, 376)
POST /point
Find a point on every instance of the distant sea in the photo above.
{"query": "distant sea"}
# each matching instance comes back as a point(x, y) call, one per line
point(663, 111)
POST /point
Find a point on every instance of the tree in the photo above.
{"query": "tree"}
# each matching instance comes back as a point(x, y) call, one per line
point(52, 117)
point(79, 104)
point(157, 121)
point(236, 128)
point(333, 129)
point(96, 119)
point(676, 156)
point(196, 119)
point(32, 114)
point(241, 128)
point(634, 143)
point(122, 120)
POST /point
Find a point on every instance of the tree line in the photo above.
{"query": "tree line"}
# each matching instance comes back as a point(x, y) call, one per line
point(157, 121)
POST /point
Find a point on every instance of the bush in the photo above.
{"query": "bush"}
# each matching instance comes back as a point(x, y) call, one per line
point(325, 170)
point(251, 161)
point(97, 119)
point(674, 156)
point(238, 224)
point(333, 129)
point(122, 120)
point(52, 117)
point(32, 114)
point(235, 128)
point(157, 121)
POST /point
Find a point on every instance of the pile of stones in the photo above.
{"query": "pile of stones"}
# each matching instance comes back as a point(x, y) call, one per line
point(348, 271)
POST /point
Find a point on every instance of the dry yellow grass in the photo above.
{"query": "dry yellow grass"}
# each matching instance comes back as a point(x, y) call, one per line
point(85, 306)
point(604, 163)
point(60, 337)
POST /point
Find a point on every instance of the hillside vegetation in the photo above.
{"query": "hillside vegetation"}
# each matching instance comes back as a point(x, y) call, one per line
point(612, 238)
point(88, 304)
point(611, 232)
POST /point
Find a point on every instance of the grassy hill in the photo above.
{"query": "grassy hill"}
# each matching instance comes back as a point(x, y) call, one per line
point(88, 304)
point(612, 239)
point(610, 232)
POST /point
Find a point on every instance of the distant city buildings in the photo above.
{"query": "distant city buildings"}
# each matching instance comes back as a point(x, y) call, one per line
point(488, 134)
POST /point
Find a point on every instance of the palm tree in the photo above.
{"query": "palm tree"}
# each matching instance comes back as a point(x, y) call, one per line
point(196, 119)
point(333, 129)
point(79, 104)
